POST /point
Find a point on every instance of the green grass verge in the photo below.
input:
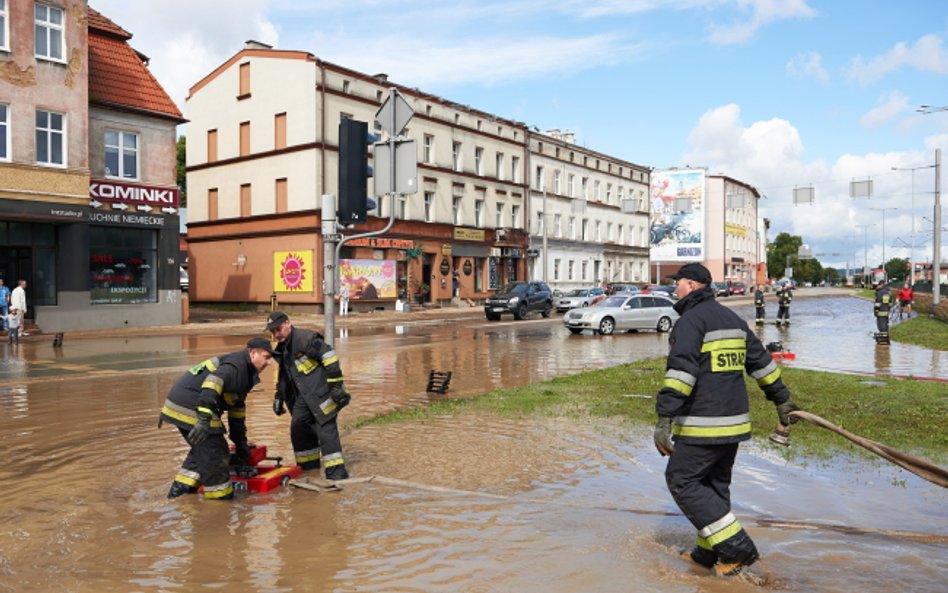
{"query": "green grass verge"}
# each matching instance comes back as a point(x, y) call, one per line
point(922, 331)
point(906, 414)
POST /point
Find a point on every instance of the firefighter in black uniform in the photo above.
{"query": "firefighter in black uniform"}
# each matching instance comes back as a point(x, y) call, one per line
point(881, 308)
point(759, 304)
point(703, 413)
point(195, 405)
point(784, 297)
point(309, 383)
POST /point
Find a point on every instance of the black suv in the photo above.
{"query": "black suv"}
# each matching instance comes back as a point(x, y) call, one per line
point(520, 298)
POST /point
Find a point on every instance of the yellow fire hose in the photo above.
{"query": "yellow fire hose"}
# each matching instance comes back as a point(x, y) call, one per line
point(920, 467)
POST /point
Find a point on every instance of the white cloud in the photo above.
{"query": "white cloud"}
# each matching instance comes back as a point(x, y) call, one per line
point(808, 64)
point(889, 106)
point(927, 55)
point(763, 12)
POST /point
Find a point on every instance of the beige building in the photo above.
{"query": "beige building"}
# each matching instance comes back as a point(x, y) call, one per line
point(733, 248)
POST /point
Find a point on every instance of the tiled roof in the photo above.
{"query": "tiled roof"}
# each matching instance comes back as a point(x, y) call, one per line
point(118, 76)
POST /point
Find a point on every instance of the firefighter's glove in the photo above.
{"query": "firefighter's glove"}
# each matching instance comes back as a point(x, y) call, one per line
point(783, 412)
point(242, 453)
point(201, 429)
point(339, 395)
point(662, 436)
point(278, 408)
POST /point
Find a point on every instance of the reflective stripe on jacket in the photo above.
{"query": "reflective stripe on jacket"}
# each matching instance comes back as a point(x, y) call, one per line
point(711, 349)
point(308, 368)
point(883, 302)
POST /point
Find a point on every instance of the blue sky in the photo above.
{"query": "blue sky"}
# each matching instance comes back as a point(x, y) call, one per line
point(777, 93)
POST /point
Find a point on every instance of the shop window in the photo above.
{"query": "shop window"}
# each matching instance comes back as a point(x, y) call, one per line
point(123, 265)
point(121, 154)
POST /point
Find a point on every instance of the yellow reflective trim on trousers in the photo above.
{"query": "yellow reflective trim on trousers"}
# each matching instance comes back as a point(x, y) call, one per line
point(303, 457)
point(727, 344)
point(726, 533)
point(702, 543)
point(679, 386)
point(768, 379)
point(330, 359)
point(219, 491)
point(711, 431)
point(187, 480)
point(237, 414)
point(333, 459)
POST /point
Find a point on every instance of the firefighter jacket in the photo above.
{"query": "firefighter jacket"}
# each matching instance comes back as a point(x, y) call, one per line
point(883, 302)
point(703, 389)
point(215, 386)
point(309, 368)
point(784, 297)
point(759, 298)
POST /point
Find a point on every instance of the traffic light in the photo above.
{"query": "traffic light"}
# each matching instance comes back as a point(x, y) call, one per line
point(354, 171)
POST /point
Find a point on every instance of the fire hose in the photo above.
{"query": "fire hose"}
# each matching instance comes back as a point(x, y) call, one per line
point(920, 467)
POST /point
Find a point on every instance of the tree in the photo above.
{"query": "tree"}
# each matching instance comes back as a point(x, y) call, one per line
point(182, 171)
point(777, 252)
point(896, 269)
point(831, 275)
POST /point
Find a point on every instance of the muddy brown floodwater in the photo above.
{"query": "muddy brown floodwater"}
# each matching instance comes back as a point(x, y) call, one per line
point(540, 505)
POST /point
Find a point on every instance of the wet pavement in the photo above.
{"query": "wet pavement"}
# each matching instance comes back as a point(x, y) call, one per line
point(547, 505)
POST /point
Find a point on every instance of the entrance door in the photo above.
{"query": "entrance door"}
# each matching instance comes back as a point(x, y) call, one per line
point(16, 263)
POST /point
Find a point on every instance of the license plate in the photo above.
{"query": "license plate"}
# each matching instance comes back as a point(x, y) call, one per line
point(498, 309)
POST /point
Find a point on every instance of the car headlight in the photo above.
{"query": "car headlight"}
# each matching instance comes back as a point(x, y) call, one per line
point(513, 301)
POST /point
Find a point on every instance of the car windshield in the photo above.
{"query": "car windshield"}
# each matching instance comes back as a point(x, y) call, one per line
point(512, 288)
point(578, 292)
point(613, 301)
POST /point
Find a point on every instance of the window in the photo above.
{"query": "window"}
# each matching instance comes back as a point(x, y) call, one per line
point(121, 154)
point(279, 131)
point(556, 182)
point(50, 137)
point(569, 270)
point(4, 30)
point(539, 180)
point(572, 227)
point(598, 231)
point(609, 235)
point(584, 270)
point(456, 205)
point(401, 208)
point(515, 169)
point(540, 220)
point(244, 138)
point(243, 90)
point(478, 213)
point(212, 203)
point(429, 148)
point(479, 160)
point(584, 187)
point(500, 165)
point(245, 206)
point(596, 194)
point(499, 215)
point(608, 193)
point(456, 155)
point(584, 229)
point(123, 265)
point(281, 196)
point(345, 87)
point(429, 206)
point(515, 216)
point(556, 269)
point(4, 130)
point(48, 42)
point(558, 225)
point(211, 146)
point(571, 185)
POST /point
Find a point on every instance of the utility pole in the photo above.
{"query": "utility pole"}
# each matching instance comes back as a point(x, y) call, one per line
point(865, 252)
point(936, 277)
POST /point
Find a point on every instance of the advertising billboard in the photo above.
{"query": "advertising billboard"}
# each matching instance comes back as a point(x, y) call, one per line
point(368, 279)
point(293, 271)
point(676, 215)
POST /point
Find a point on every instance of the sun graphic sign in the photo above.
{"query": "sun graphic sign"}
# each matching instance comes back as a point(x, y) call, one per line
point(293, 271)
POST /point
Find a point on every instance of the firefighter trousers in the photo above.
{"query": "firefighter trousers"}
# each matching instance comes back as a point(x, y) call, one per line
point(760, 314)
point(207, 464)
point(882, 323)
point(783, 314)
point(699, 479)
point(314, 442)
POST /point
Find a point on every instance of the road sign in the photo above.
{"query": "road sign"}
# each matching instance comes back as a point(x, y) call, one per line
point(394, 114)
point(406, 167)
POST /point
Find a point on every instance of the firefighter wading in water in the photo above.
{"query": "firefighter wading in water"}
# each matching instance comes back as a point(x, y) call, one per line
point(196, 403)
point(309, 383)
point(703, 407)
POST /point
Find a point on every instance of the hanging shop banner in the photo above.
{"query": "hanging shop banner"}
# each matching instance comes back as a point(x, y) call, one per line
point(293, 271)
point(368, 279)
point(676, 215)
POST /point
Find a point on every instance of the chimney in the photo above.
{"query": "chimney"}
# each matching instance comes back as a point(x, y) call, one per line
point(251, 44)
point(381, 77)
point(569, 137)
point(554, 133)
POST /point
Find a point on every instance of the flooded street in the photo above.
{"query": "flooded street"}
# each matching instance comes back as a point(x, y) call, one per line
point(533, 506)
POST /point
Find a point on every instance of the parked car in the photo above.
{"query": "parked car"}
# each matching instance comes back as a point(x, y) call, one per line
point(580, 297)
point(618, 287)
point(663, 289)
point(737, 288)
point(624, 312)
point(720, 289)
point(183, 282)
point(519, 299)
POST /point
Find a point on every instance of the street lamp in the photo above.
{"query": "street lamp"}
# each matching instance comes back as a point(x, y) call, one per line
point(912, 240)
point(865, 251)
point(884, 274)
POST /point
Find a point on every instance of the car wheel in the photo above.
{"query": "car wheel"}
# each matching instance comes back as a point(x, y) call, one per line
point(546, 312)
point(664, 324)
point(607, 326)
point(575, 330)
point(493, 317)
point(520, 312)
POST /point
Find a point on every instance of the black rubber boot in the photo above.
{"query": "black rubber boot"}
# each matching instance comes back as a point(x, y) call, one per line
point(337, 472)
point(700, 556)
point(178, 489)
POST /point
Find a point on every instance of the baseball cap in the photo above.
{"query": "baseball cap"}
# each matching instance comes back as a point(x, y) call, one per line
point(694, 271)
point(261, 343)
point(275, 319)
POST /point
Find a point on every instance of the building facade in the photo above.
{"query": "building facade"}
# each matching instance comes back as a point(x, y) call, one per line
point(86, 146)
point(733, 248)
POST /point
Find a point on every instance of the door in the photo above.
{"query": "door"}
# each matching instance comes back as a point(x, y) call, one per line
point(16, 263)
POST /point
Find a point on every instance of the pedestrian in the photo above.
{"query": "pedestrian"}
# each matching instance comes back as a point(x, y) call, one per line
point(703, 415)
point(759, 304)
point(12, 321)
point(784, 298)
point(881, 309)
point(195, 405)
point(4, 302)
point(344, 298)
point(18, 302)
point(906, 297)
point(455, 284)
point(310, 385)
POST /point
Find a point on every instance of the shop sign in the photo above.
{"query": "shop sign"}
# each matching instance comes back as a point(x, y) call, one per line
point(446, 249)
point(142, 220)
point(381, 243)
point(468, 267)
point(514, 252)
point(462, 234)
point(114, 191)
point(445, 267)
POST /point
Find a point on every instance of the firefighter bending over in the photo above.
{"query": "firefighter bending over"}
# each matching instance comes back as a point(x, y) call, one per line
point(195, 405)
point(703, 414)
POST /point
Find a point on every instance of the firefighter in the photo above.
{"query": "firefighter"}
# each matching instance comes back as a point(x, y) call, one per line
point(703, 414)
point(309, 383)
point(784, 297)
point(881, 308)
point(195, 405)
point(759, 304)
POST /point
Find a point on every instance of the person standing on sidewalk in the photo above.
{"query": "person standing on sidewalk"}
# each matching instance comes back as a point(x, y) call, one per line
point(704, 414)
point(18, 302)
point(4, 302)
point(344, 298)
point(309, 383)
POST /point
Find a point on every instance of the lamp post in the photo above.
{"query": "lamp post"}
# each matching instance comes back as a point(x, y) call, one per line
point(912, 240)
point(885, 275)
point(865, 250)
point(545, 250)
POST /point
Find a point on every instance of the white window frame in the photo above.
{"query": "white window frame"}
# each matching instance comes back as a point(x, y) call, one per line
point(557, 225)
point(556, 183)
point(571, 185)
point(401, 208)
point(120, 147)
point(479, 160)
point(515, 169)
point(500, 166)
point(429, 148)
point(5, 133)
point(479, 213)
point(456, 205)
point(499, 215)
point(4, 26)
point(50, 132)
point(572, 227)
point(49, 26)
point(515, 216)
point(456, 156)
point(429, 206)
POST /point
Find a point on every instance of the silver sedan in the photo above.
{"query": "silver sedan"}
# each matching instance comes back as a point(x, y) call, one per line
point(624, 312)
